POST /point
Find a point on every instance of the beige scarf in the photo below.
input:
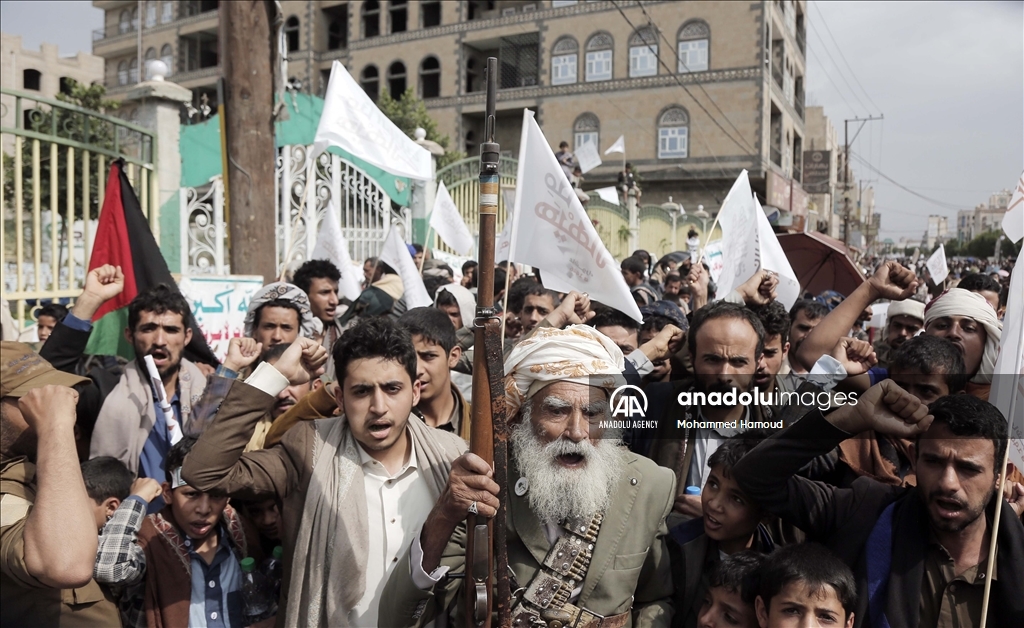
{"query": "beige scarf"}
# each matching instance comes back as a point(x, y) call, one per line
point(127, 416)
point(331, 548)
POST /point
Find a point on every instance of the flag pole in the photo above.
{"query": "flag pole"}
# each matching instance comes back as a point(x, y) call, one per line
point(999, 511)
point(426, 246)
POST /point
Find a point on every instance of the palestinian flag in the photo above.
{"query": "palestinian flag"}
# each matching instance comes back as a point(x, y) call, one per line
point(123, 239)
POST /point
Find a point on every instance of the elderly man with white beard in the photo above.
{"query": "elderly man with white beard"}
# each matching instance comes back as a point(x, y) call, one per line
point(585, 517)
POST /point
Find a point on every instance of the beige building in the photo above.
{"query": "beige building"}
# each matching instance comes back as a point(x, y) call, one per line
point(970, 223)
point(699, 90)
point(821, 173)
point(43, 73)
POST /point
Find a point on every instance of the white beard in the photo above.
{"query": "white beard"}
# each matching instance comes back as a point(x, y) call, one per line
point(556, 492)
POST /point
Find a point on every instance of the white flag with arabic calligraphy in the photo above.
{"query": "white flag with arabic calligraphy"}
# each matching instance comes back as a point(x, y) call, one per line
point(553, 232)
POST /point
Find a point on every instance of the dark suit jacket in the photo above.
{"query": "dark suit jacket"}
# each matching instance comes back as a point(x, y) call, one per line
point(843, 518)
point(630, 568)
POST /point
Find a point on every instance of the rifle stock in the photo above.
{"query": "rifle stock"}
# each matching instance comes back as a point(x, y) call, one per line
point(485, 540)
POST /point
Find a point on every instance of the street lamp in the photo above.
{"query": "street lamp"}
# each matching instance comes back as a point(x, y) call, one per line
point(675, 210)
point(703, 216)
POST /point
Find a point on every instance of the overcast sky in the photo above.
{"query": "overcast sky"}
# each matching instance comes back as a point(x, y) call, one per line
point(949, 78)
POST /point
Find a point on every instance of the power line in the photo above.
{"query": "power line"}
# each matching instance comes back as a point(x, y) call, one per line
point(690, 94)
point(839, 70)
point(903, 187)
point(840, 50)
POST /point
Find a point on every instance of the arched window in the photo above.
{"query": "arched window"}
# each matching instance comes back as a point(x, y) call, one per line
point(430, 78)
point(337, 33)
point(643, 52)
point(124, 23)
point(471, 76)
point(430, 13)
point(599, 57)
point(31, 79)
point(564, 61)
point(396, 79)
point(122, 73)
point(371, 18)
point(673, 132)
point(133, 70)
point(291, 33)
point(135, 18)
point(66, 85)
point(150, 56)
point(694, 44)
point(151, 14)
point(399, 14)
point(167, 56)
point(370, 82)
point(586, 130)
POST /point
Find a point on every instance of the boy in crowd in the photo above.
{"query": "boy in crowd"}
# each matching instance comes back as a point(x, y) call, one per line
point(441, 404)
point(805, 585)
point(121, 501)
point(190, 555)
point(47, 318)
point(731, 523)
point(731, 592)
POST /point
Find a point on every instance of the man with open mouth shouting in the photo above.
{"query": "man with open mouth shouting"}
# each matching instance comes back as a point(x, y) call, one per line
point(585, 517)
point(354, 488)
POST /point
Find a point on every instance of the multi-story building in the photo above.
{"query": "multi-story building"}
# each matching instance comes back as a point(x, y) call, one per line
point(821, 173)
point(42, 72)
point(938, 231)
point(970, 223)
point(699, 90)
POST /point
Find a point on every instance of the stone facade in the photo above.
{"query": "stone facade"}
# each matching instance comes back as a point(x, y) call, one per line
point(740, 107)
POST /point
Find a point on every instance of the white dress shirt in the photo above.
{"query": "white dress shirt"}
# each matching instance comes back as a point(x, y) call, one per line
point(396, 508)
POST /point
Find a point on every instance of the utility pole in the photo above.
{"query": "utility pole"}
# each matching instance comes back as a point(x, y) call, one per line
point(846, 169)
point(247, 51)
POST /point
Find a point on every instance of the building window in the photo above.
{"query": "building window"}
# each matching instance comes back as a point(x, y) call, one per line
point(66, 84)
point(371, 18)
point(430, 13)
point(167, 15)
point(167, 56)
point(370, 81)
point(586, 130)
point(643, 52)
point(430, 78)
point(135, 18)
point(396, 79)
point(475, 9)
point(31, 79)
point(122, 73)
point(564, 60)
point(399, 16)
point(150, 56)
point(694, 40)
point(337, 26)
point(124, 23)
point(133, 70)
point(151, 14)
point(599, 58)
point(291, 34)
point(673, 133)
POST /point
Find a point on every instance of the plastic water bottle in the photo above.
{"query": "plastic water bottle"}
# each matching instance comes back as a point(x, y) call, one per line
point(258, 602)
point(693, 490)
point(273, 569)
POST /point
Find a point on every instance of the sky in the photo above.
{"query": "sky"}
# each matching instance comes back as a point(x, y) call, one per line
point(947, 76)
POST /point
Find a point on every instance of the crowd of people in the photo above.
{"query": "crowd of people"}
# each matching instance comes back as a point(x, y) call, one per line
point(329, 448)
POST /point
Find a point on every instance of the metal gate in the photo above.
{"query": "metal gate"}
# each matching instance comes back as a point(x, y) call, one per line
point(462, 180)
point(55, 165)
point(365, 211)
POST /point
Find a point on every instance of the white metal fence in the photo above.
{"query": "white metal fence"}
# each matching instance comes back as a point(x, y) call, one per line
point(364, 208)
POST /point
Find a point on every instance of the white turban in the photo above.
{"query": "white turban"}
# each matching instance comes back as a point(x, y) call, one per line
point(578, 354)
point(960, 302)
point(906, 307)
point(465, 299)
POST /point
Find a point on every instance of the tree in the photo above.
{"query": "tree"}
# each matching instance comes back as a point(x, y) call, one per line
point(77, 126)
point(984, 245)
point(409, 113)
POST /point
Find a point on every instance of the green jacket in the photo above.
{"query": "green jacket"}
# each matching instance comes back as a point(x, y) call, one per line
point(630, 568)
